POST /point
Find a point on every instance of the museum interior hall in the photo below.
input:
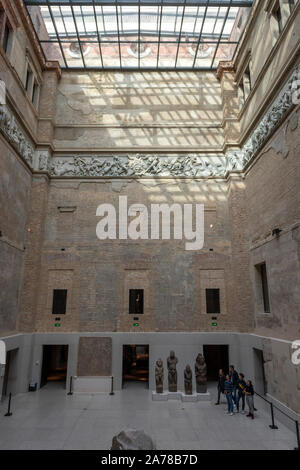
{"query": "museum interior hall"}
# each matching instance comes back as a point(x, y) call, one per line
point(149, 222)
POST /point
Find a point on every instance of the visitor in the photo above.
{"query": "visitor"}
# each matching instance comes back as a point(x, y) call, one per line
point(220, 386)
point(240, 393)
point(234, 377)
point(249, 392)
point(228, 388)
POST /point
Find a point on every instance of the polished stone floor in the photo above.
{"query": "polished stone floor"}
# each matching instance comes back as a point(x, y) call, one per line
point(49, 419)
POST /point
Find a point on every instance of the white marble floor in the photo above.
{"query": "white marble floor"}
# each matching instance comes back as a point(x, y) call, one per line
point(49, 419)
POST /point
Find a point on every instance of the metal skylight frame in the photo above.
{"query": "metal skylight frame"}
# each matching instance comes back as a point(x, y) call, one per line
point(102, 37)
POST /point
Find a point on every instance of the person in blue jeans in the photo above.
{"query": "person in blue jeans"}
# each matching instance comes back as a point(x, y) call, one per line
point(241, 393)
point(234, 377)
point(228, 388)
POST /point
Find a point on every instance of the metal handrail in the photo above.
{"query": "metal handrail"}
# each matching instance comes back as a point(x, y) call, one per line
point(273, 426)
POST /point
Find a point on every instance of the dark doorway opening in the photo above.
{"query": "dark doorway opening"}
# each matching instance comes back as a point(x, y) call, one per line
point(216, 357)
point(259, 372)
point(10, 373)
point(55, 364)
point(136, 363)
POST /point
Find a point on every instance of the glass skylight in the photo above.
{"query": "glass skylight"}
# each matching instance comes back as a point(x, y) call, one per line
point(139, 34)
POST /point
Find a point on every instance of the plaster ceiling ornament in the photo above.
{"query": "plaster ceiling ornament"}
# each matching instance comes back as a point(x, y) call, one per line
point(139, 50)
point(15, 136)
point(203, 51)
point(75, 50)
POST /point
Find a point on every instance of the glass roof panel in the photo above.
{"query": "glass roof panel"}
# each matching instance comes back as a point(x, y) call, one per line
point(139, 34)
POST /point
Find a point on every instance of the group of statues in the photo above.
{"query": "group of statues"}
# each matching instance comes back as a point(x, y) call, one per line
point(200, 374)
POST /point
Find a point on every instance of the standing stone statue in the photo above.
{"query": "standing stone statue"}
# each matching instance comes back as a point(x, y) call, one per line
point(201, 374)
point(159, 376)
point(188, 380)
point(172, 372)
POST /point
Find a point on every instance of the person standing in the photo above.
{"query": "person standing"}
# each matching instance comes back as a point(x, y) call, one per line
point(221, 385)
point(228, 388)
point(240, 393)
point(234, 377)
point(249, 392)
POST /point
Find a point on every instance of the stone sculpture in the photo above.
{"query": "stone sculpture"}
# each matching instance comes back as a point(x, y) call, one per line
point(132, 439)
point(201, 374)
point(188, 380)
point(159, 376)
point(172, 372)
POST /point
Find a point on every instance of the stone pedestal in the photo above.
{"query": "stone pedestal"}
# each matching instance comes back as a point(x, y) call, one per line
point(160, 396)
point(189, 398)
point(203, 396)
point(195, 397)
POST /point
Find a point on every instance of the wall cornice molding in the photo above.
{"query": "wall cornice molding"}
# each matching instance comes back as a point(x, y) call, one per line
point(224, 66)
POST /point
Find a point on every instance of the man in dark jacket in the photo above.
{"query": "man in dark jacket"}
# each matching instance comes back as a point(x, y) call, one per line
point(221, 385)
point(241, 393)
point(234, 377)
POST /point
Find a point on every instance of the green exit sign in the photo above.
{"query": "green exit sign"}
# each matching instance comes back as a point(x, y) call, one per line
point(214, 323)
point(57, 325)
point(136, 324)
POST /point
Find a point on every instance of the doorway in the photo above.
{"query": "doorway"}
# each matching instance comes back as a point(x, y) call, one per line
point(10, 373)
point(216, 357)
point(135, 363)
point(55, 364)
point(259, 372)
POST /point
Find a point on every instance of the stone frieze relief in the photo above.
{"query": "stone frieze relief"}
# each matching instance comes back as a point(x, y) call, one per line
point(139, 165)
point(15, 136)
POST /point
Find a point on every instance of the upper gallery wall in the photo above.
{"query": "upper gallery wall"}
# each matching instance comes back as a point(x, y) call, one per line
point(266, 59)
point(135, 110)
point(220, 120)
point(138, 111)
